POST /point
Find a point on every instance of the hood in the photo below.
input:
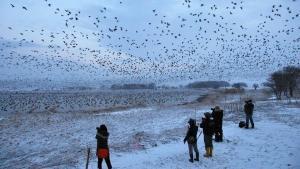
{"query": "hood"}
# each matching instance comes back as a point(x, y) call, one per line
point(192, 122)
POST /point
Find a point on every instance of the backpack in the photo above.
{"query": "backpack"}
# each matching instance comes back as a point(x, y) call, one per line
point(242, 124)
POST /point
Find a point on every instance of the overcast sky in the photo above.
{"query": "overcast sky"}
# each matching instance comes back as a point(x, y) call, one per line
point(166, 41)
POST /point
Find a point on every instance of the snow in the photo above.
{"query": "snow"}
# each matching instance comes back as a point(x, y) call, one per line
point(132, 110)
point(267, 146)
point(151, 137)
point(273, 143)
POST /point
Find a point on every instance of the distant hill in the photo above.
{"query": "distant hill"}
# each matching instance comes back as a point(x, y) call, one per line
point(208, 84)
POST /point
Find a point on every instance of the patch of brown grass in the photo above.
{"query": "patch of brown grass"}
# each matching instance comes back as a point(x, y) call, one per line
point(233, 91)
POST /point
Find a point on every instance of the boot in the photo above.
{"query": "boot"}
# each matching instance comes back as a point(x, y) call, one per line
point(207, 152)
point(191, 158)
point(197, 157)
point(210, 151)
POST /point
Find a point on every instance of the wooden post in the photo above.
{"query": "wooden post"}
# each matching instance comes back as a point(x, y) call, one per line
point(88, 158)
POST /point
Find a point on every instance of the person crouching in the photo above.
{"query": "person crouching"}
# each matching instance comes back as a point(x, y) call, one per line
point(191, 138)
point(102, 146)
point(208, 129)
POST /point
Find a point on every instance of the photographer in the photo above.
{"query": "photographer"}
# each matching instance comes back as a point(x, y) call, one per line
point(102, 146)
point(191, 138)
point(248, 109)
point(217, 115)
point(208, 129)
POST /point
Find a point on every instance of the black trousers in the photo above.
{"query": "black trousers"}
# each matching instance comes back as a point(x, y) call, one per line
point(218, 133)
point(107, 160)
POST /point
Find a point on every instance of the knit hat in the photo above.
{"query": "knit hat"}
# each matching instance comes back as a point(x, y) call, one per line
point(217, 108)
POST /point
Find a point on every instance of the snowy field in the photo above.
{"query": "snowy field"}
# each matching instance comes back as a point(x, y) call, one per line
point(150, 136)
point(94, 100)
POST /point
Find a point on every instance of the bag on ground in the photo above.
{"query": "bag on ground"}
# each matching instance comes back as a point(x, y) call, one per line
point(242, 124)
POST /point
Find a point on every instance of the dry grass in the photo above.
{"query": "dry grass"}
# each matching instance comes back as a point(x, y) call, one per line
point(231, 99)
point(232, 91)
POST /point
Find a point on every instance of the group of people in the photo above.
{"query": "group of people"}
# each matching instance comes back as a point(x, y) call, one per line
point(211, 124)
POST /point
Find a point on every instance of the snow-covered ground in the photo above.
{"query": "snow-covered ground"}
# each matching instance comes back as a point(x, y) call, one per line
point(151, 137)
point(241, 149)
point(274, 143)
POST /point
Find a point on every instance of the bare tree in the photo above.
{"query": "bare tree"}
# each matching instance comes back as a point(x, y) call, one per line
point(292, 74)
point(284, 81)
point(279, 79)
point(255, 86)
point(270, 83)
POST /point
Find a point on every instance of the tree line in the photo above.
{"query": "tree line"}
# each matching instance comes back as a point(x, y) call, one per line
point(208, 84)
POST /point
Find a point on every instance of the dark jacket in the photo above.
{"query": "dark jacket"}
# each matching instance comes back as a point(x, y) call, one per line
point(217, 115)
point(248, 108)
point(208, 126)
point(102, 139)
point(191, 134)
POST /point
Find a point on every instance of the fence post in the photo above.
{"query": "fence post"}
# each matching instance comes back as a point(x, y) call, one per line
point(88, 158)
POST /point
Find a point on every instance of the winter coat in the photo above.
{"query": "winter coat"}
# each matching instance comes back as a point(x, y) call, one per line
point(218, 117)
point(248, 108)
point(191, 135)
point(208, 126)
point(102, 140)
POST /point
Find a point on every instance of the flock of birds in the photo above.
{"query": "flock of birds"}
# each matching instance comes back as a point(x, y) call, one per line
point(200, 43)
point(40, 102)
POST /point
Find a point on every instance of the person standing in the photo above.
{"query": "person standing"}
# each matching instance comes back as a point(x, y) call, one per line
point(191, 138)
point(208, 130)
point(102, 146)
point(217, 116)
point(248, 109)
